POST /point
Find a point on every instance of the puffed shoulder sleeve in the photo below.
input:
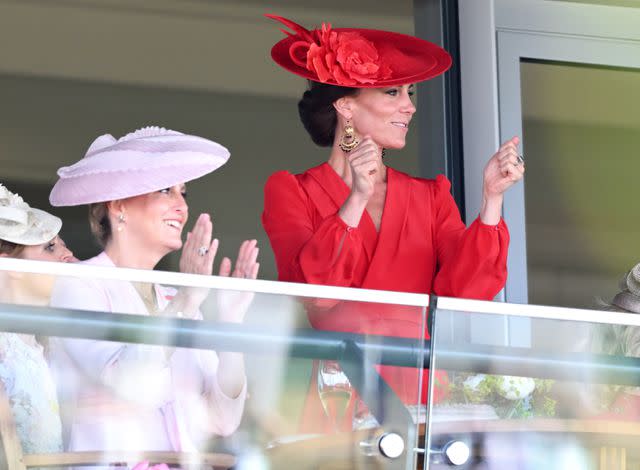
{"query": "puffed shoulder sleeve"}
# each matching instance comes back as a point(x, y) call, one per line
point(324, 251)
point(472, 262)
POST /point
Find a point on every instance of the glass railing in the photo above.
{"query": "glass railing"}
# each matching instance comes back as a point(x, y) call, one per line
point(555, 388)
point(122, 366)
point(243, 374)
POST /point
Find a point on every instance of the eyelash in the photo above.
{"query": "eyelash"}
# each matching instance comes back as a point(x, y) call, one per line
point(50, 247)
point(394, 92)
point(167, 190)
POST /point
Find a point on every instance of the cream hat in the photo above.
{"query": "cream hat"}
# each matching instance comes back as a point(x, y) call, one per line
point(22, 224)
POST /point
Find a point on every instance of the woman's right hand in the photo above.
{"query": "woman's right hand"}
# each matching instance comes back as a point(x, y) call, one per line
point(364, 162)
point(199, 251)
point(198, 254)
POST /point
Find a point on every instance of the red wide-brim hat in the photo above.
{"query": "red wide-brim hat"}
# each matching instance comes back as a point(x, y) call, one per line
point(356, 57)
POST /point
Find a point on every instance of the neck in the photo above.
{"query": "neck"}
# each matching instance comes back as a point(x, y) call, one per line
point(127, 252)
point(338, 161)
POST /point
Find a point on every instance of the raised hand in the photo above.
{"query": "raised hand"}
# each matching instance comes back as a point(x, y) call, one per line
point(199, 251)
point(503, 170)
point(364, 162)
point(198, 255)
point(246, 262)
point(233, 305)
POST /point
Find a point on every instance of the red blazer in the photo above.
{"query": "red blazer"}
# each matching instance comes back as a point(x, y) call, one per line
point(423, 247)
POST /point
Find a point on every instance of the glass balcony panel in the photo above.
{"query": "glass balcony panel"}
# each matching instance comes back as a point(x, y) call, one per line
point(570, 399)
point(332, 379)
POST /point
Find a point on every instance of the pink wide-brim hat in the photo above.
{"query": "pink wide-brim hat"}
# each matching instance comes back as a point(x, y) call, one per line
point(147, 160)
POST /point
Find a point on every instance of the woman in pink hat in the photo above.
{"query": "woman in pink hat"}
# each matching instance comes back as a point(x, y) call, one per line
point(355, 222)
point(31, 234)
point(138, 397)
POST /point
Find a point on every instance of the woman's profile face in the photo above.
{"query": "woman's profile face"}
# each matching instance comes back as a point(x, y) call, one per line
point(53, 250)
point(157, 219)
point(41, 285)
point(384, 114)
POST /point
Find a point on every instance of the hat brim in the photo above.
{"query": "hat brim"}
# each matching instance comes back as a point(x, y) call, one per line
point(411, 59)
point(44, 228)
point(123, 179)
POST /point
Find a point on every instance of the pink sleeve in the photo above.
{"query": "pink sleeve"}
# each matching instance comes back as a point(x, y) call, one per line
point(472, 262)
point(326, 254)
point(109, 362)
point(224, 412)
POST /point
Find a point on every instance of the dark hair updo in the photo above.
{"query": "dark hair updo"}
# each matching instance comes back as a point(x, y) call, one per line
point(317, 113)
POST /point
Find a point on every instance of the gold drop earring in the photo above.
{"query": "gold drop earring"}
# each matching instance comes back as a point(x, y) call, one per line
point(348, 141)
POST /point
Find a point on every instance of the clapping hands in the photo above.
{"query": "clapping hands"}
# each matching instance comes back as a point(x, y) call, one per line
point(198, 256)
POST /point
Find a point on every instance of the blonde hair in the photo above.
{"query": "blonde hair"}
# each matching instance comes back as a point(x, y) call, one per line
point(100, 223)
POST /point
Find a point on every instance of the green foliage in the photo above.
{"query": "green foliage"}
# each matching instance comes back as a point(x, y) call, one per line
point(494, 390)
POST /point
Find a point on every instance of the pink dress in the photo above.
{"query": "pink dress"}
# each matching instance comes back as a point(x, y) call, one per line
point(120, 396)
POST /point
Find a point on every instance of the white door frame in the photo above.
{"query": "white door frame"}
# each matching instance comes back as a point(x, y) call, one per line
point(494, 36)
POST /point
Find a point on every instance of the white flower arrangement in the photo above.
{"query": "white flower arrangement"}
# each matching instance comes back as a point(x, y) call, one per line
point(8, 199)
point(515, 388)
point(510, 396)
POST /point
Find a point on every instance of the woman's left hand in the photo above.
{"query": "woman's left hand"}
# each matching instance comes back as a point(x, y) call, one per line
point(503, 170)
point(233, 305)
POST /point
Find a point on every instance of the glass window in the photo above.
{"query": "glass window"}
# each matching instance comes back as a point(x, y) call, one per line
point(581, 128)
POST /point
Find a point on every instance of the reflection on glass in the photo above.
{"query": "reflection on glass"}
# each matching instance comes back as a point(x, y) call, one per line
point(569, 403)
point(111, 373)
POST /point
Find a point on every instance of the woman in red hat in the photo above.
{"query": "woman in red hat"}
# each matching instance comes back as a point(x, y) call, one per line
point(354, 222)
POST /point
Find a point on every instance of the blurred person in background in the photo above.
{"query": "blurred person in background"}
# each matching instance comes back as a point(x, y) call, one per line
point(30, 234)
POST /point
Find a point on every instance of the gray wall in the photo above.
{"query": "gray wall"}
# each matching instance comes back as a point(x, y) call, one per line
point(47, 123)
point(110, 66)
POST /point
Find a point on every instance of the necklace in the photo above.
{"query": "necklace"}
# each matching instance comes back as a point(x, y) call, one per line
point(147, 293)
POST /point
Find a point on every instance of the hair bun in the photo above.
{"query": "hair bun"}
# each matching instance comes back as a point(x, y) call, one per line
point(317, 113)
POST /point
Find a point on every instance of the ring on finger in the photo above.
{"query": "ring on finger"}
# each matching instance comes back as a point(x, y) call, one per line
point(203, 250)
point(519, 160)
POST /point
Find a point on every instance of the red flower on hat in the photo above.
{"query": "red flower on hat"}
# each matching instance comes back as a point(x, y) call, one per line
point(343, 57)
point(346, 58)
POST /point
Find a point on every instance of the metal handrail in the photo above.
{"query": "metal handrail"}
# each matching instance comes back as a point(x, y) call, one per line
point(316, 344)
